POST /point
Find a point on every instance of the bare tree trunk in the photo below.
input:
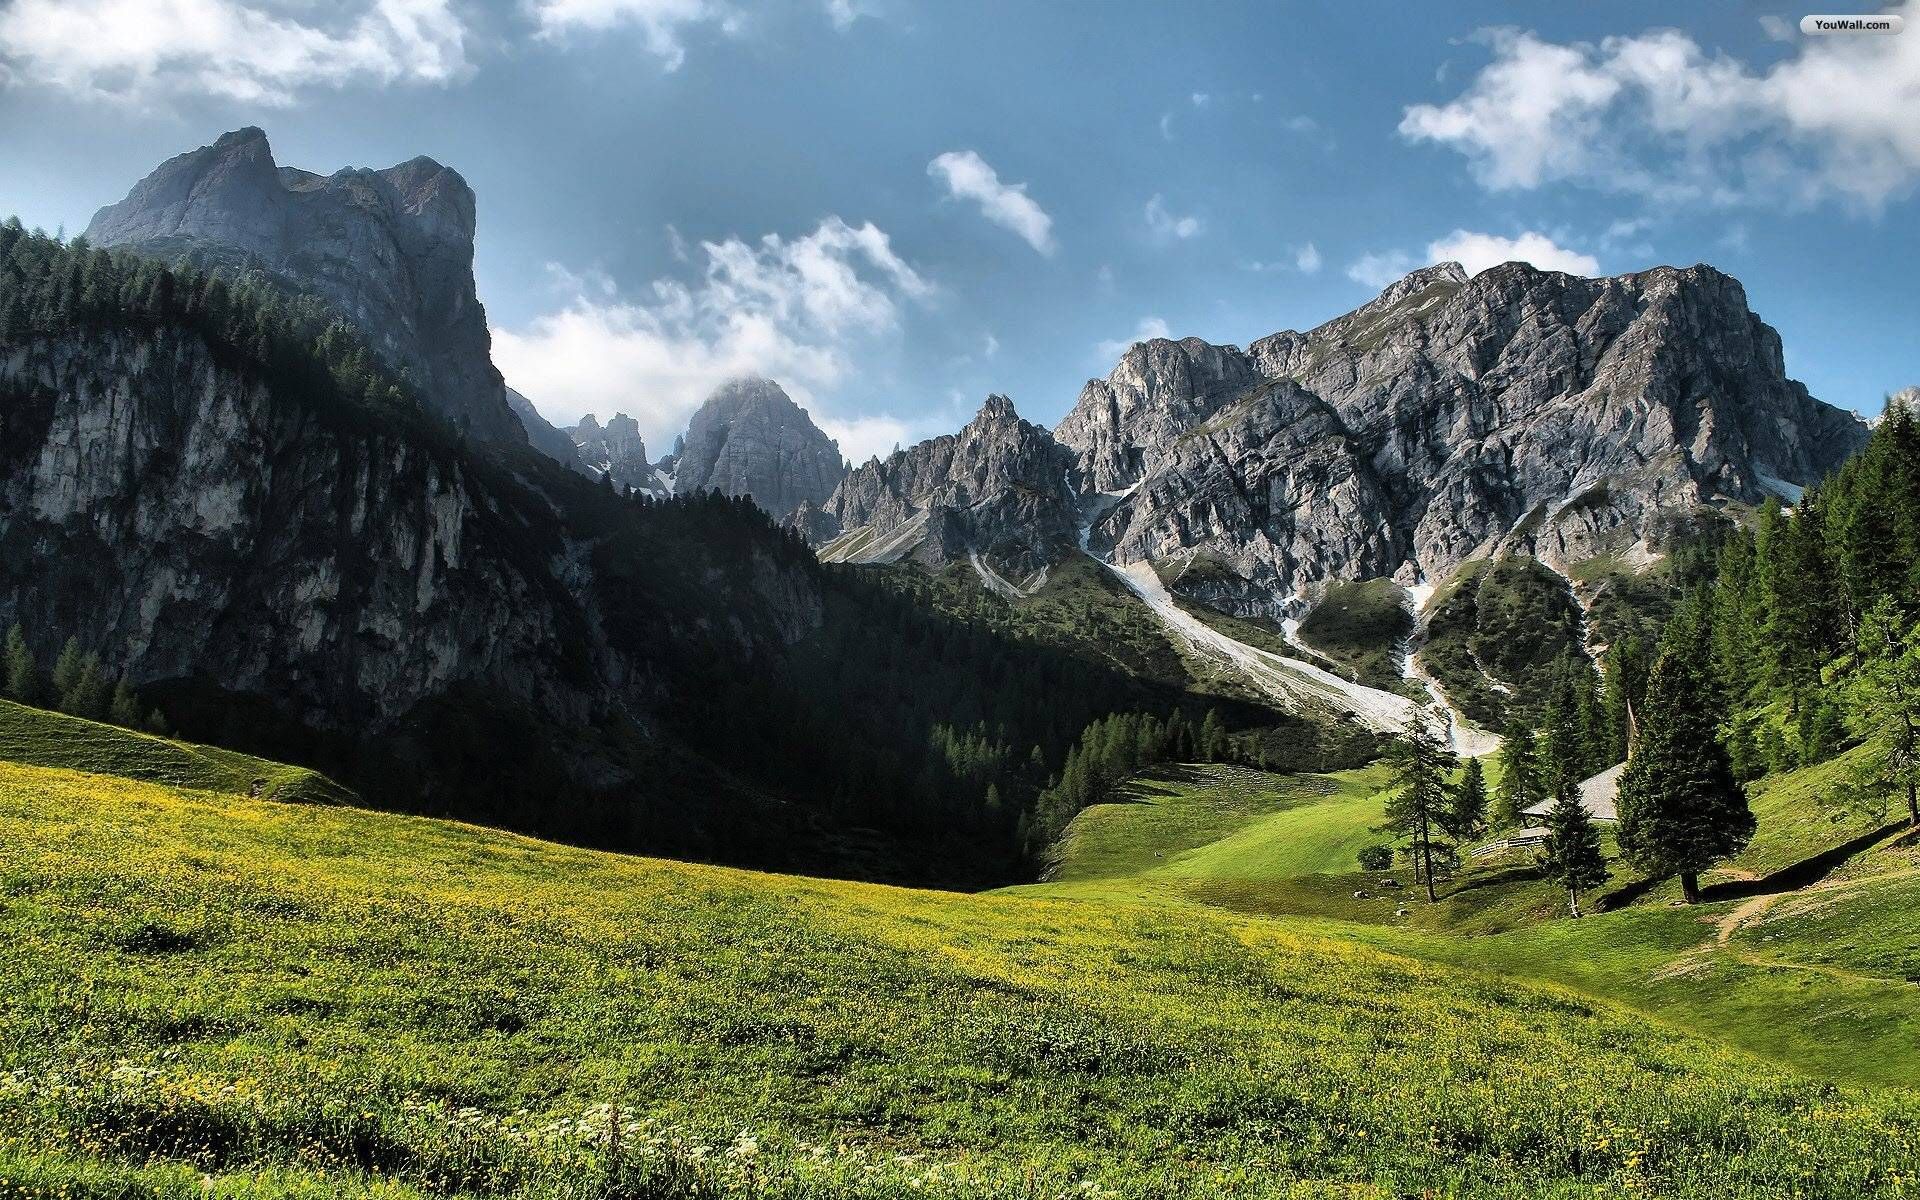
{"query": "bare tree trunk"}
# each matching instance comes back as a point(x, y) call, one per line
point(1573, 900)
point(1426, 856)
point(1690, 886)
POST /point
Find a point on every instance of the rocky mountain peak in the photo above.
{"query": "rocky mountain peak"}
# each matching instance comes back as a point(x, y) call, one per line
point(1159, 388)
point(617, 451)
point(998, 410)
point(750, 439)
point(994, 494)
point(390, 250)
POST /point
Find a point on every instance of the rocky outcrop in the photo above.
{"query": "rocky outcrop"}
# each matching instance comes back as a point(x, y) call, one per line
point(1520, 408)
point(998, 490)
point(750, 439)
point(617, 452)
point(1159, 390)
point(391, 251)
point(542, 435)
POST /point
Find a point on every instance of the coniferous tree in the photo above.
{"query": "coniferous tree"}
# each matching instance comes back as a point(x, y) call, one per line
point(1681, 809)
point(66, 671)
point(90, 691)
point(1466, 814)
point(1418, 807)
point(1563, 750)
point(1884, 702)
point(1571, 855)
point(1520, 785)
point(124, 709)
point(23, 675)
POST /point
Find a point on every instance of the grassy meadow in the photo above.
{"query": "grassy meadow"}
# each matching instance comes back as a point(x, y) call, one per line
point(215, 994)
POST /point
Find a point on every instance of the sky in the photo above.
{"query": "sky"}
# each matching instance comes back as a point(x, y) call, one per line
point(896, 207)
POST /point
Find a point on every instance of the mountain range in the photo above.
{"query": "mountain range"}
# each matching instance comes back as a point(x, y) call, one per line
point(230, 504)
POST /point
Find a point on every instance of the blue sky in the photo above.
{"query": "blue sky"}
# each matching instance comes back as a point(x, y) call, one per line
point(897, 206)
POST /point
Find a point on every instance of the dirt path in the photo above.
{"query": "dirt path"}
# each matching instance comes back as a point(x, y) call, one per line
point(1730, 922)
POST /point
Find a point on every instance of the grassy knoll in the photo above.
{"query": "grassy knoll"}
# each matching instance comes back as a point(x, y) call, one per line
point(1821, 979)
point(38, 737)
point(211, 995)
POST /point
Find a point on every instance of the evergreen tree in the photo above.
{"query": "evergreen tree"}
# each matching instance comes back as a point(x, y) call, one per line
point(1563, 751)
point(1520, 785)
point(23, 675)
point(1213, 737)
point(1466, 816)
point(1571, 855)
point(90, 692)
point(1884, 702)
point(124, 709)
point(66, 671)
point(1681, 809)
point(1420, 805)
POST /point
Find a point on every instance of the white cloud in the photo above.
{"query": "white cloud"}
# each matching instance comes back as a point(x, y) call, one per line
point(862, 438)
point(660, 22)
point(1478, 251)
point(788, 309)
point(1148, 329)
point(141, 51)
point(1307, 259)
point(1379, 270)
point(1167, 225)
point(1658, 115)
point(970, 177)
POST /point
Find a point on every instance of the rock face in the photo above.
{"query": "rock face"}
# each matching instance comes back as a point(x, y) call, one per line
point(202, 526)
point(1520, 408)
point(541, 434)
point(997, 489)
point(617, 451)
point(391, 250)
point(751, 439)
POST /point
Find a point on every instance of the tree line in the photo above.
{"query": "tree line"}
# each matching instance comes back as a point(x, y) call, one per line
point(78, 684)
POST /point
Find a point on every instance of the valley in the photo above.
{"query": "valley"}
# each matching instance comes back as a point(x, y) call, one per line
point(1461, 740)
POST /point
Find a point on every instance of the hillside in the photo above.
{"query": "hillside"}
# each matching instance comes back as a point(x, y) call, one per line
point(1804, 952)
point(296, 1000)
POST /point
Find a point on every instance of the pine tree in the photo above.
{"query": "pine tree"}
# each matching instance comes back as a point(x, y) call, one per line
point(1571, 855)
point(1563, 751)
point(1466, 816)
point(23, 675)
point(1884, 702)
point(88, 697)
point(124, 709)
point(1681, 809)
point(66, 671)
point(1520, 786)
point(1213, 738)
point(1419, 805)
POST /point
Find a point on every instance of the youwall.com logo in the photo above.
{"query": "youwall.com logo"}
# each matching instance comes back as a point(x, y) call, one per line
point(1882, 23)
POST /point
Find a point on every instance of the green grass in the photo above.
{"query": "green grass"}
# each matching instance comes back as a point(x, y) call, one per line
point(1835, 1000)
point(213, 995)
point(38, 737)
point(1359, 626)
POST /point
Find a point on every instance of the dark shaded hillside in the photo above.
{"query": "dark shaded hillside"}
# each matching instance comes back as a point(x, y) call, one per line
point(224, 495)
